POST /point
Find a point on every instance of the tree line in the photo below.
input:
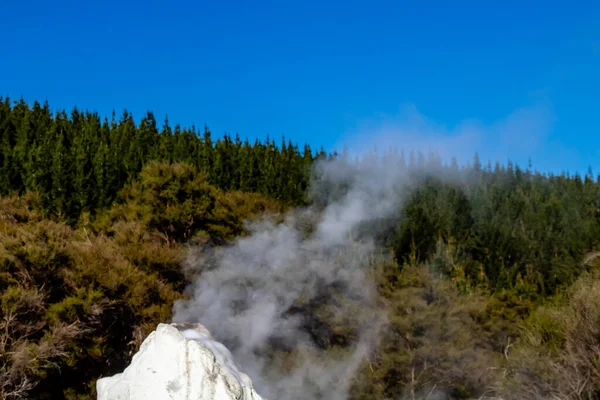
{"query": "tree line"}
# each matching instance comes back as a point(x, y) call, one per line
point(79, 161)
point(503, 227)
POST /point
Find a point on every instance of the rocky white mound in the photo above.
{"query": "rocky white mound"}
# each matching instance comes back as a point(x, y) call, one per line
point(179, 362)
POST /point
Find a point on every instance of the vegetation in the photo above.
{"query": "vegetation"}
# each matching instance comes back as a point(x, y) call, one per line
point(491, 290)
point(79, 162)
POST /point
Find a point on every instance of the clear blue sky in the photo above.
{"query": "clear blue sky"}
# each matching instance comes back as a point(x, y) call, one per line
point(509, 79)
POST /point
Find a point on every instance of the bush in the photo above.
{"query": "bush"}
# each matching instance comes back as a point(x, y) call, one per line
point(173, 199)
point(176, 201)
point(558, 355)
point(73, 306)
point(433, 344)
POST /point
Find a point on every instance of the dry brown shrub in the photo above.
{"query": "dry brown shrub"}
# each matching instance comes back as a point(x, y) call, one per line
point(75, 305)
point(558, 356)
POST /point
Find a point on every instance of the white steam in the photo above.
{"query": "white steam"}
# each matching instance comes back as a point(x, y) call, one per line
point(281, 286)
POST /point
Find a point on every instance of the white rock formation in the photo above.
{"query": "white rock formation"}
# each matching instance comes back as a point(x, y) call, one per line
point(179, 362)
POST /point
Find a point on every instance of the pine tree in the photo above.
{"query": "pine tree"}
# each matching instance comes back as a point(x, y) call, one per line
point(24, 147)
point(5, 146)
point(86, 137)
point(207, 153)
point(127, 137)
point(166, 151)
point(61, 168)
point(102, 176)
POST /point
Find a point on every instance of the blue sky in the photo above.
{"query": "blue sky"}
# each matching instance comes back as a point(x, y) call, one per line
point(507, 79)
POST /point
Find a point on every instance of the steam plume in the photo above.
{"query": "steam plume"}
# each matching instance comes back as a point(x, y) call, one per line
point(287, 285)
point(262, 291)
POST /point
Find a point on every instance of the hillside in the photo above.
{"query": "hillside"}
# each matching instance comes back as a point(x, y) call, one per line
point(484, 276)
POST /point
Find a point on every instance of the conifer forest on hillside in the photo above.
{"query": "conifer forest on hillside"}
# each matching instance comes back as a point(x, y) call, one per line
point(488, 274)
